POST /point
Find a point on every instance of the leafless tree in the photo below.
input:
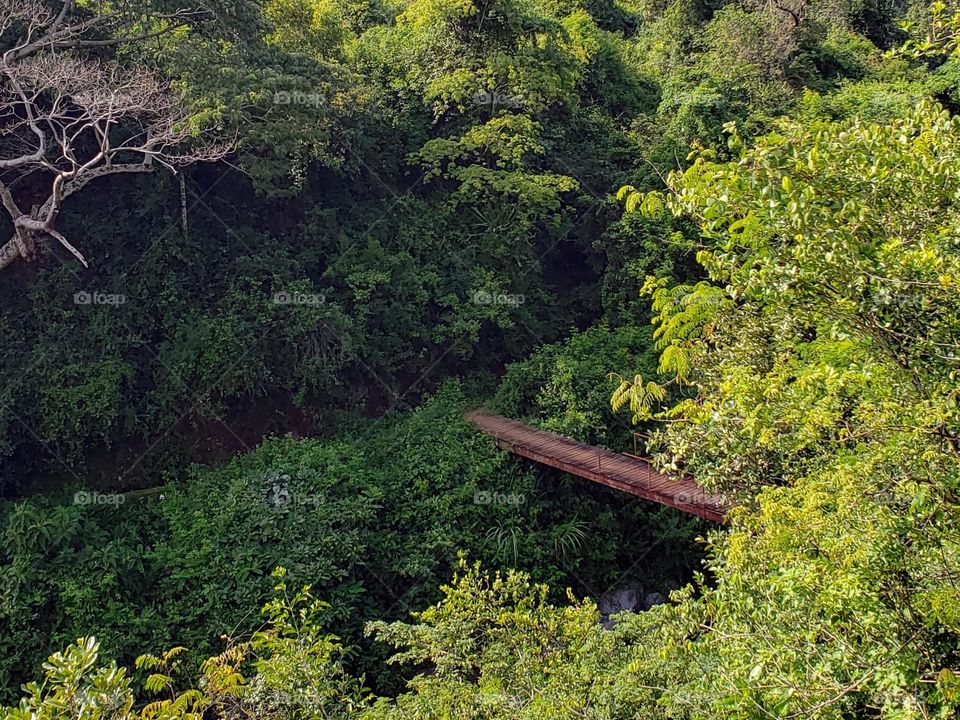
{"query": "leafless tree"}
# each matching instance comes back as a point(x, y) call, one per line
point(67, 118)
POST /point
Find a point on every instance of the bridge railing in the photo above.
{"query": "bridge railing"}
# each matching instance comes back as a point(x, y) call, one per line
point(639, 437)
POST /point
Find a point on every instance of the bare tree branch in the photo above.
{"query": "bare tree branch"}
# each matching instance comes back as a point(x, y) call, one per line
point(70, 119)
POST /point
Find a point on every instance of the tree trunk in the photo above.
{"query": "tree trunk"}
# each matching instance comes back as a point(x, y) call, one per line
point(9, 252)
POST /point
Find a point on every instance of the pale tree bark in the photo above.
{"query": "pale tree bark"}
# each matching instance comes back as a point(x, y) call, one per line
point(70, 119)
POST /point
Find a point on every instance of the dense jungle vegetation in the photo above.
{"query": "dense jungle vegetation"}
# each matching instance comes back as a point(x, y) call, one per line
point(262, 255)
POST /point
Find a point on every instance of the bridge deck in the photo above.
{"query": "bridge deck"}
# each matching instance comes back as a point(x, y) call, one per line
point(623, 472)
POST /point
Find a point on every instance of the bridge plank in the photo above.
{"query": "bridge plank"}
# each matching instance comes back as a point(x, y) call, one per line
point(622, 472)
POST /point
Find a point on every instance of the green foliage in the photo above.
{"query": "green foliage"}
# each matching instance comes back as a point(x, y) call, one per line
point(373, 519)
point(296, 671)
point(822, 353)
point(299, 669)
point(566, 387)
point(399, 163)
point(76, 688)
point(861, 292)
point(432, 179)
point(498, 649)
point(934, 34)
point(318, 29)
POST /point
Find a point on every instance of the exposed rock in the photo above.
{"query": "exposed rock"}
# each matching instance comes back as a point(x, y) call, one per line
point(651, 599)
point(632, 599)
point(619, 600)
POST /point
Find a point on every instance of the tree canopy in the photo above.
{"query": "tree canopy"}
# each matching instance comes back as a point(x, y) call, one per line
point(731, 227)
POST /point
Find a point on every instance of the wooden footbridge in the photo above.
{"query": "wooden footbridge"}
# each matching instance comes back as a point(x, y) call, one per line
point(629, 473)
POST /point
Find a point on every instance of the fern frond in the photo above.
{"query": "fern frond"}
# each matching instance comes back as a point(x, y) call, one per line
point(173, 652)
point(188, 698)
point(148, 662)
point(675, 359)
point(158, 682)
point(153, 709)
